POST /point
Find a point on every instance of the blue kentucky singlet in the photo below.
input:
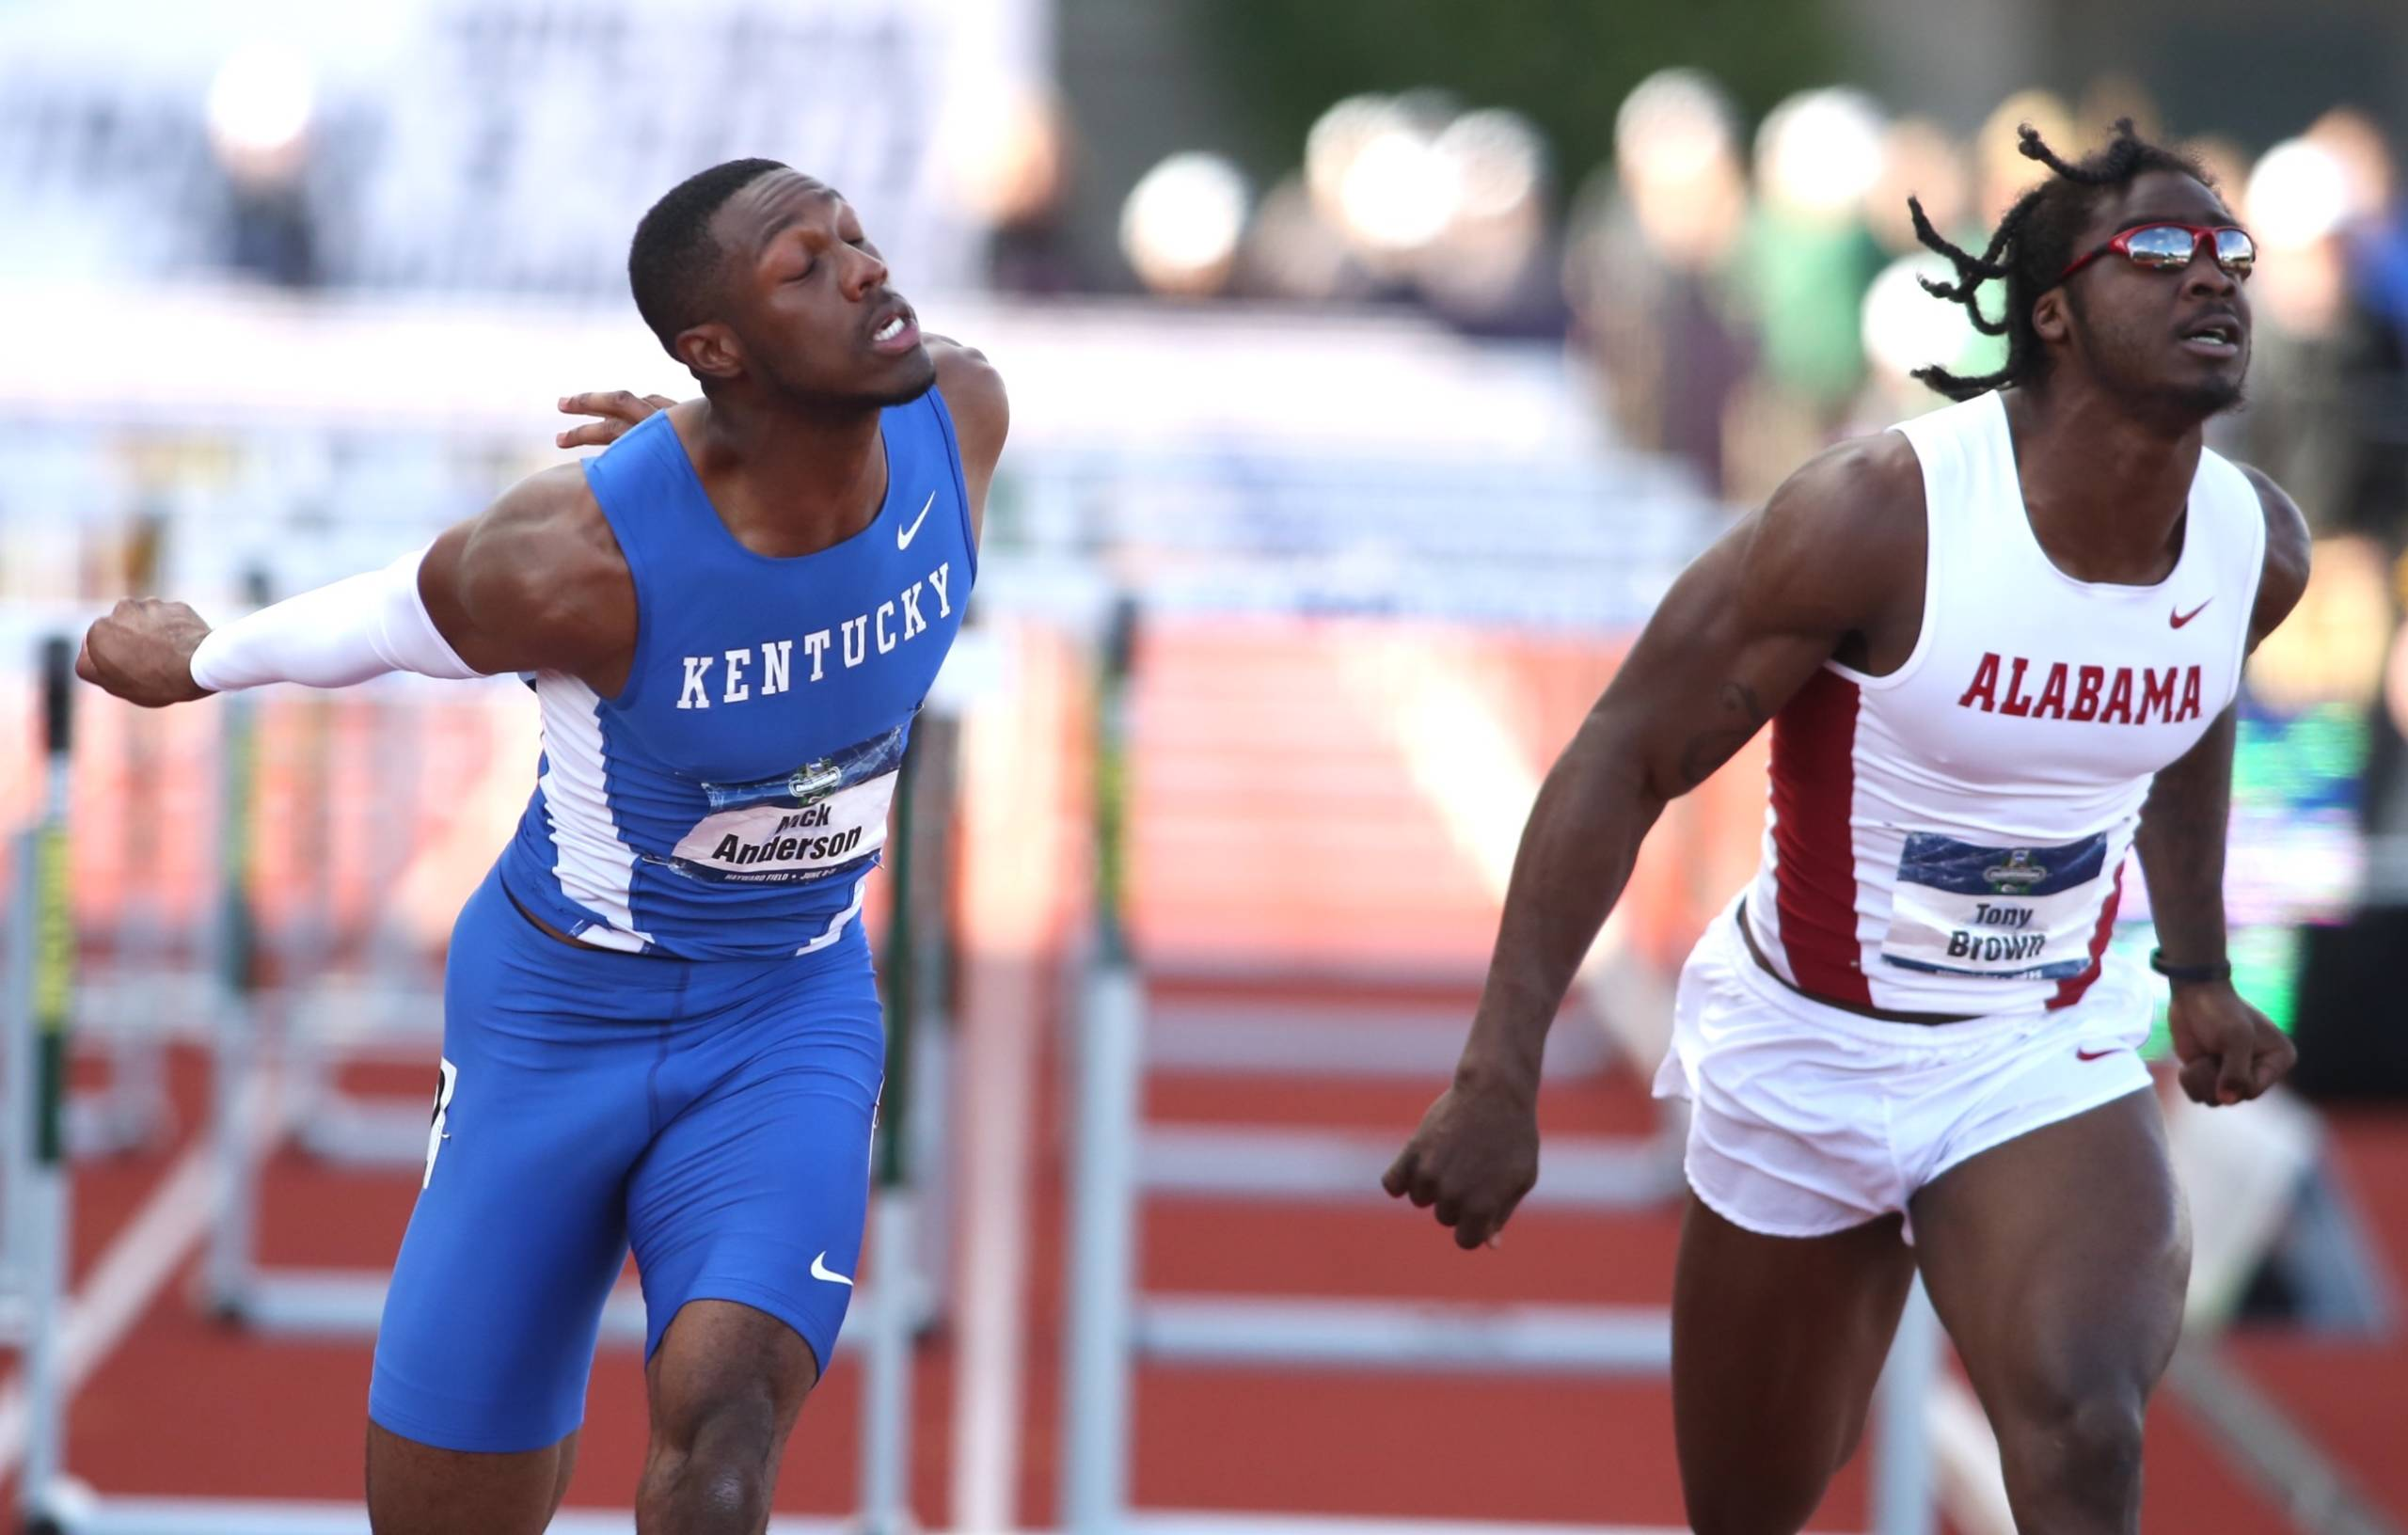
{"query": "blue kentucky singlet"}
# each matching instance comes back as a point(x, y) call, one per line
point(729, 801)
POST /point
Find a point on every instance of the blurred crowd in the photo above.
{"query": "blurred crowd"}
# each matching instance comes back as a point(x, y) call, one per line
point(1739, 301)
point(1736, 298)
point(1743, 313)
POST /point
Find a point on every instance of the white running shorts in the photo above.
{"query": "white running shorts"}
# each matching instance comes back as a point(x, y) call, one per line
point(1808, 1119)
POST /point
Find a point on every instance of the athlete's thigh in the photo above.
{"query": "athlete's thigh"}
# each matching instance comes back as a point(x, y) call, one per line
point(1777, 1342)
point(756, 1185)
point(489, 1324)
point(2058, 1262)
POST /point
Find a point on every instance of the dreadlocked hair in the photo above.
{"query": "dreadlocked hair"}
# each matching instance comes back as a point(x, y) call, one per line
point(2033, 243)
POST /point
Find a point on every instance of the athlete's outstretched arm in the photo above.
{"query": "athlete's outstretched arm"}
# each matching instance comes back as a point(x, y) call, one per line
point(2229, 1052)
point(1743, 628)
point(533, 583)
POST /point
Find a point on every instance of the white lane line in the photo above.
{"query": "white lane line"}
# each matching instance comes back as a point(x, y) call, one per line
point(1479, 780)
point(136, 1266)
point(2269, 1449)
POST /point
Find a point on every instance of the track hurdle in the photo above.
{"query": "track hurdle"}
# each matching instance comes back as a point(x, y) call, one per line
point(268, 1084)
point(1119, 1159)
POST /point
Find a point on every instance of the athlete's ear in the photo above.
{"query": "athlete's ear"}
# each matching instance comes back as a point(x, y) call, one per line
point(2051, 316)
point(711, 350)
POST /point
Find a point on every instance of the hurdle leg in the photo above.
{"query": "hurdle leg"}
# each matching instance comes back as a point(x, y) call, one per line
point(886, 1392)
point(1102, 1257)
point(234, 1145)
point(49, 918)
point(1903, 1495)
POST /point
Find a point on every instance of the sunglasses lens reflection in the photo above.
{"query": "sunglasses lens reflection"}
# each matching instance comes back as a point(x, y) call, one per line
point(2236, 251)
point(2161, 247)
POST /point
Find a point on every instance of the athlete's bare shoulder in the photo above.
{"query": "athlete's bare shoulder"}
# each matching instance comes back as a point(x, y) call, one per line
point(2287, 556)
point(1841, 541)
point(536, 582)
point(973, 392)
point(1829, 568)
point(982, 414)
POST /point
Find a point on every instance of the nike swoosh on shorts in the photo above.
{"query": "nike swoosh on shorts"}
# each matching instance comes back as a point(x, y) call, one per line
point(819, 1270)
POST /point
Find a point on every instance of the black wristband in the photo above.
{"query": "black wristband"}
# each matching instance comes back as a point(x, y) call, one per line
point(2220, 971)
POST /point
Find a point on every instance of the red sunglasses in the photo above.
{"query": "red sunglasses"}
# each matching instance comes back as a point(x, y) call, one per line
point(2169, 247)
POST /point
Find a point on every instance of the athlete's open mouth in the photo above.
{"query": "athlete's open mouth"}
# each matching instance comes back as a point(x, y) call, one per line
point(897, 332)
point(2218, 336)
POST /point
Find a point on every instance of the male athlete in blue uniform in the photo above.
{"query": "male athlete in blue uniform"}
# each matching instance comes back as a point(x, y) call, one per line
point(661, 1028)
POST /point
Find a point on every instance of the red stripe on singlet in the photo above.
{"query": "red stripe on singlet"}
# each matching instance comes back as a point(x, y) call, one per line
point(2070, 989)
point(1814, 788)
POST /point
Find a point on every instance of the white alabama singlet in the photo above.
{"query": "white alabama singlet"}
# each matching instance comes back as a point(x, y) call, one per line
point(1951, 838)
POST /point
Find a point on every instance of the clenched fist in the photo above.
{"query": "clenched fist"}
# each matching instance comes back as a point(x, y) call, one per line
point(142, 653)
point(2229, 1052)
point(1473, 1157)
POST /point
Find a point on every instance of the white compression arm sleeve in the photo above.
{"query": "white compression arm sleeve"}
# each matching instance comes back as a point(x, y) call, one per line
point(359, 627)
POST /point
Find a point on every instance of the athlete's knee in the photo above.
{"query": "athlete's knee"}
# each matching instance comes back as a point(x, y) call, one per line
point(2078, 1447)
point(710, 1494)
point(717, 1478)
point(714, 1463)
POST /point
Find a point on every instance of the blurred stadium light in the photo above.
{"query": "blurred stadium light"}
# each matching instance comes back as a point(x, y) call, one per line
point(1182, 222)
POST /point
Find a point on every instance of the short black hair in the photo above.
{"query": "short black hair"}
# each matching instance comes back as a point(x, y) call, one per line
point(2033, 247)
point(674, 264)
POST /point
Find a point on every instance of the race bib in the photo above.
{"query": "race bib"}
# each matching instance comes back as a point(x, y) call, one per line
point(2001, 913)
point(823, 818)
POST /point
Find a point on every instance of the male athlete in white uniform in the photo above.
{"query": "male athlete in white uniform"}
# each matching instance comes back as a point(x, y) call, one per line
point(1999, 647)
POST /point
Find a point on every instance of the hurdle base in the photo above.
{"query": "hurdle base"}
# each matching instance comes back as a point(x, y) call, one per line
point(336, 1304)
point(1239, 1522)
point(109, 1122)
point(347, 1131)
point(1387, 1040)
point(1248, 1332)
point(83, 1514)
point(1254, 1161)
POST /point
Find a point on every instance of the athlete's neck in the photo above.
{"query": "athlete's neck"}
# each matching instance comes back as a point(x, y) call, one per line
point(785, 483)
point(2104, 486)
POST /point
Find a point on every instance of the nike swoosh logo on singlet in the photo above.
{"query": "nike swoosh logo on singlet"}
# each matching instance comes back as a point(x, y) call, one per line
point(2177, 620)
point(903, 536)
point(2091, 1054)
